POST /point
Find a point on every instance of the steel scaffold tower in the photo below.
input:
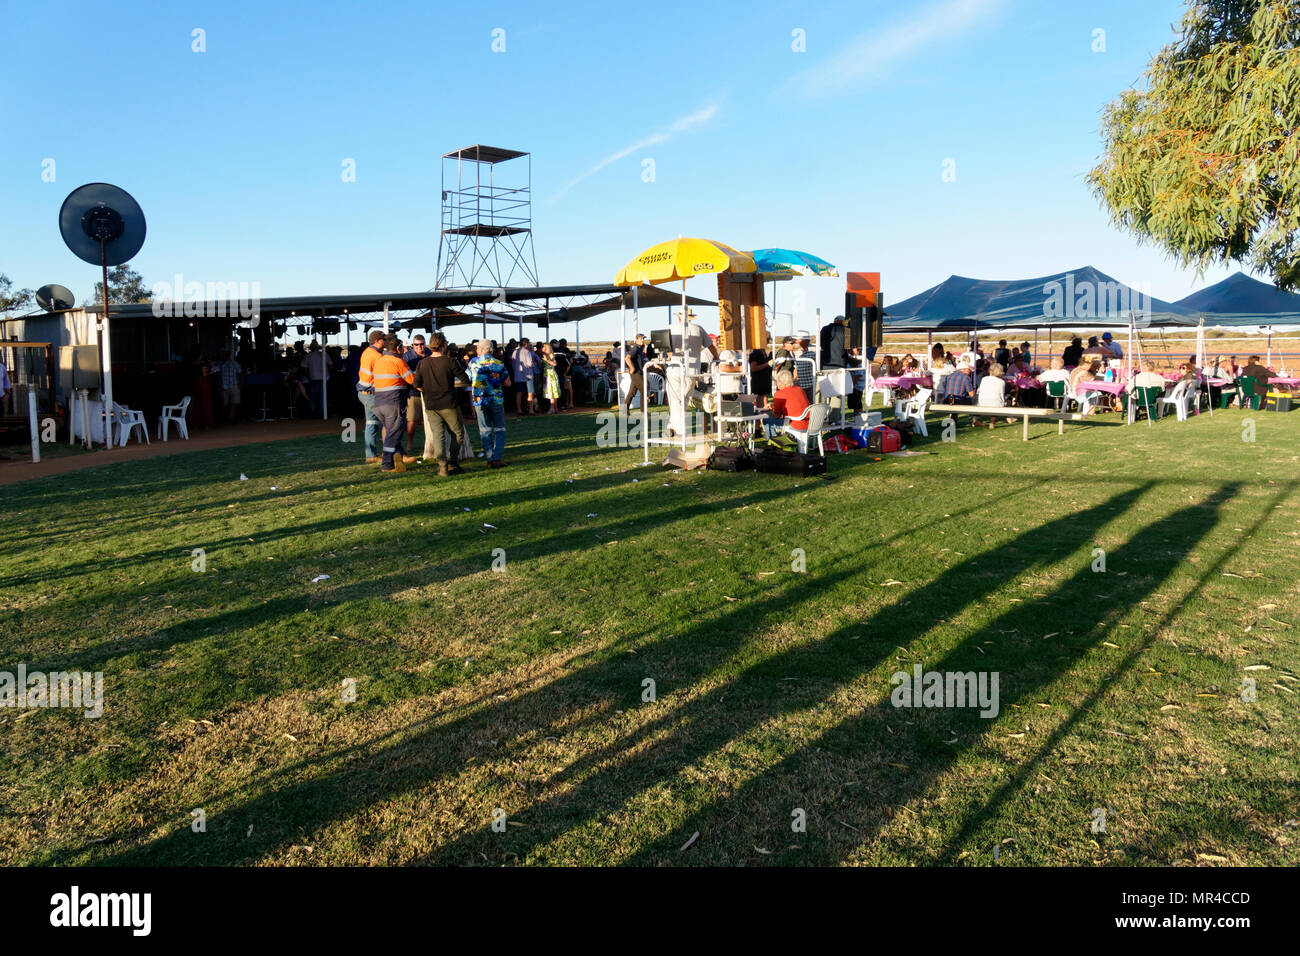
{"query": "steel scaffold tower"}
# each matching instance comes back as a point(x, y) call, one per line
point(486, 240)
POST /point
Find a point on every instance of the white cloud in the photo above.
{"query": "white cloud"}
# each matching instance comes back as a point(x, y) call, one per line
point(682, 125)
point(871, 53)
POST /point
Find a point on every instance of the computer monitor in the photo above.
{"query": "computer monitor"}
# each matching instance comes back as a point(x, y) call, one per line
point(662, 340)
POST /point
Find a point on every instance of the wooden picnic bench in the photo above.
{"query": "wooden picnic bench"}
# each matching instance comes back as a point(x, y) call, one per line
point(1009, 411)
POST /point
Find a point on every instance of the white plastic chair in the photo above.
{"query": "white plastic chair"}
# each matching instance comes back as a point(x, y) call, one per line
point(869, 390)
point(654, 386)
point(174, 415)
point(1181, 398)
point(816, 416)
point(128, 420)
point(914, 410)
point(1071, 397)
point(606, 388)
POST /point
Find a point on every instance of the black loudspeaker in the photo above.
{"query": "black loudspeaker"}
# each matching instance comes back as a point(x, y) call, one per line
point(853, 315)
point(875, 316)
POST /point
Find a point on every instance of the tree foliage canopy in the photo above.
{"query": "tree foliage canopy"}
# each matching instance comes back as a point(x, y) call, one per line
point(125, 285)
point(11, 299)
point(1204, 159)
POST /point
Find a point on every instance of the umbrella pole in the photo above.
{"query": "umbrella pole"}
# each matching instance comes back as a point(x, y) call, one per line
point(622, 346)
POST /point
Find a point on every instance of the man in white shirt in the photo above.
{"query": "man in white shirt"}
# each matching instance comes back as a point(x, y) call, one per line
point(1056, 373)
point(1148, 379)
point(690, 340)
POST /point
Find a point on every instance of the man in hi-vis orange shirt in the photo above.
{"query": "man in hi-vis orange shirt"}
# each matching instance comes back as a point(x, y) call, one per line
point(392, 378)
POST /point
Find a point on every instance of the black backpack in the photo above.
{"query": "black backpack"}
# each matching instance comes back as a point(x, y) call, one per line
point(730, 458)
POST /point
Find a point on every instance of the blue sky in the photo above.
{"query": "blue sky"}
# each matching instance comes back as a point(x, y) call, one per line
point(236, 153)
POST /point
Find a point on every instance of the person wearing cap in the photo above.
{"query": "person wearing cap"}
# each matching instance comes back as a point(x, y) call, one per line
point(783, 357)
point(366, 392)
point(1108, 342)
point(958, 386)
point(391, 377)
point(689, 340)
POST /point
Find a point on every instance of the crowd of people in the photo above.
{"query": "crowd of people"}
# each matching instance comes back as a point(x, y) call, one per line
point(1009, 376)
point(437, 385)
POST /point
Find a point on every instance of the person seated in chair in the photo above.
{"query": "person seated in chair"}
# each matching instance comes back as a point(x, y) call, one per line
point(958, 387)
point(1085, 372)
point(788, 404)
point(1147, 377)
point(1256, 371)
point(1056, 373)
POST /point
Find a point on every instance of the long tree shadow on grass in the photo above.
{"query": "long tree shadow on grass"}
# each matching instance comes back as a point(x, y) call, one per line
point(376, 664)
point(1279, 797)
point(283, 815)
point(893, 756)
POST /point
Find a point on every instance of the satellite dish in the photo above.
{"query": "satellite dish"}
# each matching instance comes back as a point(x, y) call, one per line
point(55, 298)
point(102, 224)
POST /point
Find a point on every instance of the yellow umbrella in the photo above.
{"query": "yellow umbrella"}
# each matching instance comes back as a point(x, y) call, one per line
point(681, 259)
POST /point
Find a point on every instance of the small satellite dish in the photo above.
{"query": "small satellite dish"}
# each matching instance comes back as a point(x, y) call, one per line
point(55, 298)
point(102, 224)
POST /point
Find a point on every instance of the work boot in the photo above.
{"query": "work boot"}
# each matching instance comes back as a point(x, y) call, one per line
point(398, 463)
point(371, 461)
point(387, 463)
point(442, 469)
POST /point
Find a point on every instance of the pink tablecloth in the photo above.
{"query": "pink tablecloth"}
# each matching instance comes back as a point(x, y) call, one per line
point(903, 381)
point(1027, 381)
point(1115, 388)
point(1280, 380)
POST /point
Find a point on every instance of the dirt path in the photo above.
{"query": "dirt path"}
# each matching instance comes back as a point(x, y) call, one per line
point(14, 469)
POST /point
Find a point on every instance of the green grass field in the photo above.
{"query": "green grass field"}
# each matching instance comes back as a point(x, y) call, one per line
point(524, 689)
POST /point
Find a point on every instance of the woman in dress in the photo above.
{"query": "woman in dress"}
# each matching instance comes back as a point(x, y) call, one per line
point(551, 387)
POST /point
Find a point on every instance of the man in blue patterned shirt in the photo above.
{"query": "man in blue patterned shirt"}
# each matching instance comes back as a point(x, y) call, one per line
point(487, 375)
